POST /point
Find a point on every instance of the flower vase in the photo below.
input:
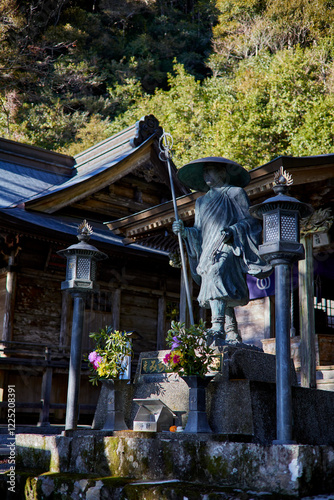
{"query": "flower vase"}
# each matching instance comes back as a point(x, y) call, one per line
point(197, 417)
point(114, 412)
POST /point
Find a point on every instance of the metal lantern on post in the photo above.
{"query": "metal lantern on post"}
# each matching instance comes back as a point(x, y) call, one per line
point(281, 247)
point(80, 280)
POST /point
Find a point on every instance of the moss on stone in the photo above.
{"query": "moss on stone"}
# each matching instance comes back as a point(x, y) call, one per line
point(31, 488)
point(69, 476)
point(190, 451)
point(171, 491)
point(167, 458)
point(115, 482)
point(145, 464)
point(111, 450)
point(54, 463)
point(37, 456)
point(217, 467)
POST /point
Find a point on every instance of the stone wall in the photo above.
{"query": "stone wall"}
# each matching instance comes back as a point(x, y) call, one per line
point(201, 460)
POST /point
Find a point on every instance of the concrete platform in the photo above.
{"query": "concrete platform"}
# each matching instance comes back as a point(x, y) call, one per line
point(205, 461)
point(236, 461)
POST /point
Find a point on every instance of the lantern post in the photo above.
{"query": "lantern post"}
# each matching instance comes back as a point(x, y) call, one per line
point(80, 281)
point(281, 247)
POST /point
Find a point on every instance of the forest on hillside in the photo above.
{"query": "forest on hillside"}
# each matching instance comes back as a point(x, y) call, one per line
point(246, 79)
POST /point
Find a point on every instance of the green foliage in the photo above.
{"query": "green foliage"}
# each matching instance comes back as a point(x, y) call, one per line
point(247, 27)
point(251, 118)
point(107, 360)
point(93, 131)
point(45, 126)
point(248, 79)
point(269, 97)
point(316, 135)
point(189, 353)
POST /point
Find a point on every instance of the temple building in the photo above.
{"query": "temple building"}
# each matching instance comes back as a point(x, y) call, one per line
point(122, 188)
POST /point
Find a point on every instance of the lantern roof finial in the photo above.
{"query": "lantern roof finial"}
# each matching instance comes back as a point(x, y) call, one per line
point(84, 231)
point(282, 181)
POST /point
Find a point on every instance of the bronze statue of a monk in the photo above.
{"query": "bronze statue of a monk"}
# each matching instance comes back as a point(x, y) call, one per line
point(222, 245)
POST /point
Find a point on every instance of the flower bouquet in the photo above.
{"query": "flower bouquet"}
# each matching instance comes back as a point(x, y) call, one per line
point(108, 360)
point(189, 353)
point(192, 359)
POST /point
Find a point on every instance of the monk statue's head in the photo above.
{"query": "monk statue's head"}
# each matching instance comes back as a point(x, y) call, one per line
point(214, 175)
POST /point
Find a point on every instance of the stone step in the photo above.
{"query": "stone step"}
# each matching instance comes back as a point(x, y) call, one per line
point(325, 372)
point(90, 488)
point(325, 385)
point(325, 378)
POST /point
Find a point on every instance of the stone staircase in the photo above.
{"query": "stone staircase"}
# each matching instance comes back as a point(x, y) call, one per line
point(130, 465)
point(324, 358)
point(325, 378)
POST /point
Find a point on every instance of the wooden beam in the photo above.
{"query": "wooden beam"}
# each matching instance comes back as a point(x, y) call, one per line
point(46, 393)
point(161, 328)
point(8, 319)
point(109, 204)
point(116, 308)
point(307, 328)
point(130, 288)
point(262, 179)
point(155, 217)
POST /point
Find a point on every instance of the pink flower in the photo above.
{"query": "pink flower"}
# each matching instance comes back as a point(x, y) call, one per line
point(97, 362)
point(167, 358)
point(176, 359)
point(92, 356)
point(95, 359)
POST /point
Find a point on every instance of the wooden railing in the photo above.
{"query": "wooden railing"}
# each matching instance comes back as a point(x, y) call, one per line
point(45, 357)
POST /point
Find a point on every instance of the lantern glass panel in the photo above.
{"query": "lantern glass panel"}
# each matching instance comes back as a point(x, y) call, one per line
point(71, 267)
point(271, 224)
point(93, 270)
point(289, 230)
point(83, 269)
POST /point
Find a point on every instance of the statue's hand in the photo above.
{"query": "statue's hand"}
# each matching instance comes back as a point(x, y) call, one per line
point(178, 227)
point(226, 235)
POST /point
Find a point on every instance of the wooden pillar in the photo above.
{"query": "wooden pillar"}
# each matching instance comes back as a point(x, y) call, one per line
point(161, 327)
point(116, 309)
point(267, 318)
point(8, 319)
point(44, 416)
point(307, 328)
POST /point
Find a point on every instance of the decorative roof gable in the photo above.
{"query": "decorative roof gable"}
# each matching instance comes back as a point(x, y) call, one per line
point(126, 165)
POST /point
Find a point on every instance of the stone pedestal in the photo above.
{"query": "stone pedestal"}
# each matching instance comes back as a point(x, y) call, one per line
point(113, 407)
point(241, 398)
point(197, 415)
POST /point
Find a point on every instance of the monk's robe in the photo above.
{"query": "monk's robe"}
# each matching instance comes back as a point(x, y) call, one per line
point(219, 267)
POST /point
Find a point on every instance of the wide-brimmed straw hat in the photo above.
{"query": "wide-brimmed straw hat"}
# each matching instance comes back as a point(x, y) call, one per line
point(192, 174)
